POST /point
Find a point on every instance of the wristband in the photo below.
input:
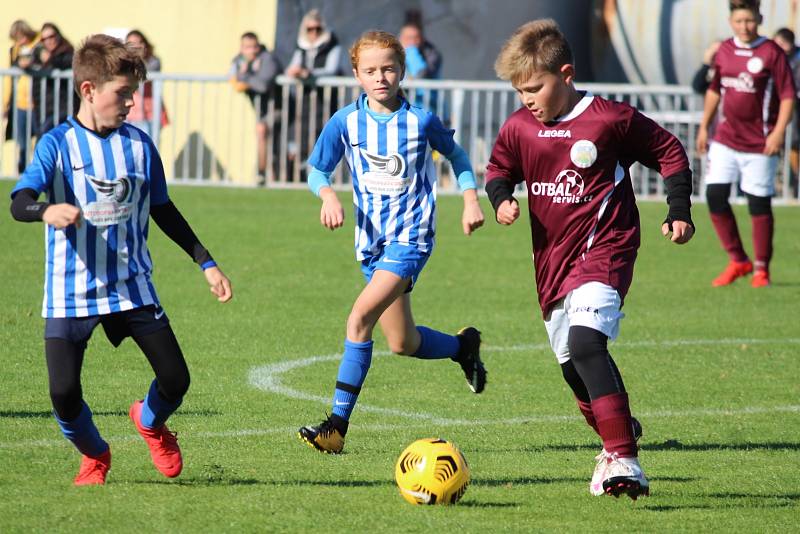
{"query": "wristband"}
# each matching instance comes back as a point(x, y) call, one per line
point(208, 264)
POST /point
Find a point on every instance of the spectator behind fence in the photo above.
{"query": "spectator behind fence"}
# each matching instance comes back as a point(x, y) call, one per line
point(318, 53)
point(17, 102)
point(141, 115)
point(53, 54)
point(253, 72)
point(702, 78)
point(784, 38)
point(423, 60)
point(755, 108)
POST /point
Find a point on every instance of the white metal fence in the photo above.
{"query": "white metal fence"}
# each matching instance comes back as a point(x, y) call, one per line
point(210, 136)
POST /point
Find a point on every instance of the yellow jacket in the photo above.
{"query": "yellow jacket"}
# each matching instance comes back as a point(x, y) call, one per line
point(23, 82)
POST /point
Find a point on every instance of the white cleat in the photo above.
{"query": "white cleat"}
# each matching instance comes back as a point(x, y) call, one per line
point(624, 476)
point(599, 475)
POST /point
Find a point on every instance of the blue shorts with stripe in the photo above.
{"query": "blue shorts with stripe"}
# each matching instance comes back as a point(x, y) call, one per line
point(402, 260)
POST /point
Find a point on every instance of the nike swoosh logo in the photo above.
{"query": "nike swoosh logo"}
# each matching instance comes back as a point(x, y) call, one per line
point(389, 260)
point(74, 168)
point(424, 497)
point(159, 314)
point(340, 403)
point(356, 144)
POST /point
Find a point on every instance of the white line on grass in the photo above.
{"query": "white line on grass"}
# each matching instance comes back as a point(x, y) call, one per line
point(267, 378)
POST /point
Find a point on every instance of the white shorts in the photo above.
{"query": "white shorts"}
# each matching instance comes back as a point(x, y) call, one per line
point(594, 305)
point(727, 166)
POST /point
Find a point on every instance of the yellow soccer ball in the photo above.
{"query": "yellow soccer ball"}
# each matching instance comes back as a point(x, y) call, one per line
point(432, 471)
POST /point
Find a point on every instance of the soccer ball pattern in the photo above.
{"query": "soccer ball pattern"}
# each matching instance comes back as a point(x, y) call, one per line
point(432, 471)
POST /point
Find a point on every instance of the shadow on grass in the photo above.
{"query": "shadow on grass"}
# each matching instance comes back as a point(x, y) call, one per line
point(731, 501)
point(675, 445)
point(523, 481)
point(46, 414)
point(477, 504)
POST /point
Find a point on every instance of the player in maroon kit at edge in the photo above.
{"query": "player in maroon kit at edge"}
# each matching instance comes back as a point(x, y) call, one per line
point(753, 82)
point(573, 151)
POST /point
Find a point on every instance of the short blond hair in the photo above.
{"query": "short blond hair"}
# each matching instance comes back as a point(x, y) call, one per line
point(536, 46)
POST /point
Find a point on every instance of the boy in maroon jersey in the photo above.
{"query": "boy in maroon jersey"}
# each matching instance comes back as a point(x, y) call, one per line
point(573, 151)
point(753, 82)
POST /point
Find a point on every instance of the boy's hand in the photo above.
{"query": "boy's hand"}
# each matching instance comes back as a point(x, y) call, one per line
point(219, 284)
point(682, 231)
point(62, 215)
point(701, 141)
point(472, 216)
point(331, 215)
point(508, 212)
point(773, 143)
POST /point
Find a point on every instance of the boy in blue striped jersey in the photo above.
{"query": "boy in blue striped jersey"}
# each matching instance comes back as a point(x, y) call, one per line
point(104, 179)
point(388, 145)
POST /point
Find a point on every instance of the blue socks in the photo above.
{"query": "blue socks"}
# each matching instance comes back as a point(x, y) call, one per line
point(155, 409)
point(436, 345)
point(353, 369)
point(83, 434)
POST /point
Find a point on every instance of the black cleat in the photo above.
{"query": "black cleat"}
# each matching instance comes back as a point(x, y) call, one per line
point(326, 437)
point(469, 357)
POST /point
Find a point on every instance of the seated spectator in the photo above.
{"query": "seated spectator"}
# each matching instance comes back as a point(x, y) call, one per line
point(141, 114)
point(253, 73)
point(17, 103)
point(53, 54)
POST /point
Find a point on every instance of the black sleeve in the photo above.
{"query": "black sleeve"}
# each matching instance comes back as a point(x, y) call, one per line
point(700, 82)
point(679, 197)
point(25, 208)
point(498, 191)
point(172, 223)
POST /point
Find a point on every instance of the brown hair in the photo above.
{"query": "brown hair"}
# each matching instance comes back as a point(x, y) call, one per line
point(21, 27)
point(101, 57)
point(751, 5)
point(379, 39)
point(534, 47)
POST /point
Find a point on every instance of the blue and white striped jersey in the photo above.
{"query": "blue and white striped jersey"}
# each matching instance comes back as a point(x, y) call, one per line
point(394, 180)
point(104, 266)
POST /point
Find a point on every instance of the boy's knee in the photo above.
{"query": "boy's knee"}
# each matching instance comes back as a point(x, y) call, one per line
point(759, 205)
point(67, 402)
point(586, 343)
point(717, 197)
point(359, 326)
point(173, 388)
point(402, 346)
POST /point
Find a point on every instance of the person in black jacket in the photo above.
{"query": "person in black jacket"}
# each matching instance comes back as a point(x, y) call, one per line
point(52, 96)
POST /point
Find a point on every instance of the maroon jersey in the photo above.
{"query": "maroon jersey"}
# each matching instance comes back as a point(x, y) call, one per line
point(752, 79)
point(584, 221)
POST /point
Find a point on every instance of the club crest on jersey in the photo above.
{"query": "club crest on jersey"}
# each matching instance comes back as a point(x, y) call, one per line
point(755, 65)
point(111, 206)
point(116, 189)
point(583, 153)
point(566, 189)
point(386, 174)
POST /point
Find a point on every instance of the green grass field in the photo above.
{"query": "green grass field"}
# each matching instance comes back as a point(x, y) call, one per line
point(712, 375)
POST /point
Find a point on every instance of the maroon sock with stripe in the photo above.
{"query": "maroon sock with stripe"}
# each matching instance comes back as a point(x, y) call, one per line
point(728, 232)
point(763, 229)
point(613, 416)
point(588, 414)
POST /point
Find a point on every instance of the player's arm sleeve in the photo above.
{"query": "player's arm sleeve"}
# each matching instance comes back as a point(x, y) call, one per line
point(25, 208)
point(172, 223)
point(679, 197)
point(329, 148)
point(784, 81)
point(700, 80)
point(502, 172)
point(462, 168)
point(318, 179)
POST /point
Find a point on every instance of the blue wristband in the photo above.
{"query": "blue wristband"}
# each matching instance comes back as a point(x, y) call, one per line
point(208, 264)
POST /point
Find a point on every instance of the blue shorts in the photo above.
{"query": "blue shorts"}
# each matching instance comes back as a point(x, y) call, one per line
point(136, 322)
point(402, 260)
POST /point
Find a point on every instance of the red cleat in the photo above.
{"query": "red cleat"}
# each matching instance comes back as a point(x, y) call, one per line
point(760, 279)
point(164, 449)
point(734, 270)
point(93, 470)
